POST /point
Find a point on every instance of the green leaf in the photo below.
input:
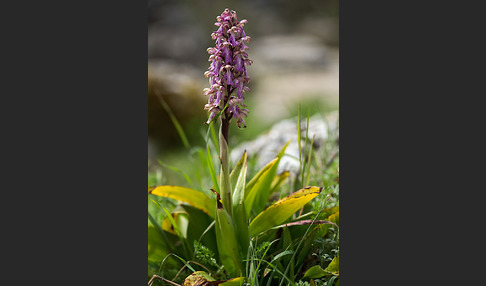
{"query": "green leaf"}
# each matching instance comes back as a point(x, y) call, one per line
point(214, 136)
point(307, 172)
point(181, 219)
point(333, 267)
point(176, 123)
point(235, 174)
point(330, 211)
point(283, 209)
point(287, 244)
point(258, 175)
point(195, 198)
point(200, 228)
point(172, 224)
point(307, 243)
point(287, 239)
point(281, 254)
point(278, 180)
point(331, 281)
point(233, 282)
point(317, 272)
point(211, 168)
point(175, 169)
point(305, 163)
point(239, 212)
point(228, 248)
point(239, 186)
point(191, 223)
point(265, 189)
point(157, 248)
point(179, 232)
point(299, 136)
point(255, 185)
point(260, 188)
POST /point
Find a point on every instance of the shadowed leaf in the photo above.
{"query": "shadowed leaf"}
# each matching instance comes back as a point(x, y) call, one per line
point(318, 272)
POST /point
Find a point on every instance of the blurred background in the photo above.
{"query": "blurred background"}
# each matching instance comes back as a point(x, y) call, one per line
point(294, 48)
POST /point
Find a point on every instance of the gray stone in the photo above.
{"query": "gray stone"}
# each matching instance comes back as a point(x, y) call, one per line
point(267, 146)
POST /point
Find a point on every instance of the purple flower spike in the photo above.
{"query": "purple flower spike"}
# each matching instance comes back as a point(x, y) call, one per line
point(227, 72)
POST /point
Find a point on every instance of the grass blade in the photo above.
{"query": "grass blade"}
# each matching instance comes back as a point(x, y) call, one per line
point(308, 161)
point(298, 246)
point(175, 169)
point(176, 123)
point(299, 137)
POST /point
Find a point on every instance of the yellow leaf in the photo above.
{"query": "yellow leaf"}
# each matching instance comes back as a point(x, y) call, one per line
point(195, 198)
point(198, 278)
point(280, 211)
point(181, 217)
point(334, 218)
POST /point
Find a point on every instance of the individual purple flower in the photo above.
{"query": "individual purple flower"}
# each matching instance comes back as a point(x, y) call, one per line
point(227, 73)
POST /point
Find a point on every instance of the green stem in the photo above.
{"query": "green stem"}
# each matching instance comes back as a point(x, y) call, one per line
point(225, 128)
point(225, 118)
point(225, 183)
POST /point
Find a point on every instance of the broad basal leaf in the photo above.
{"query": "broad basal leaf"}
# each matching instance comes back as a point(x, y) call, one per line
point(239, 211)
point(283, 209)
point(256, 184)
point(333, 267)
point(265, 189)
point(262, 185)
point(228, 248)
point(192, 197)
point(317, 272)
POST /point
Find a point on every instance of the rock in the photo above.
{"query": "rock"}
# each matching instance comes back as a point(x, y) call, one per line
point(267, 146)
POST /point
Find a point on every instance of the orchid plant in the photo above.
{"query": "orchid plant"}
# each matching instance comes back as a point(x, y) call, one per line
point(238, 209)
